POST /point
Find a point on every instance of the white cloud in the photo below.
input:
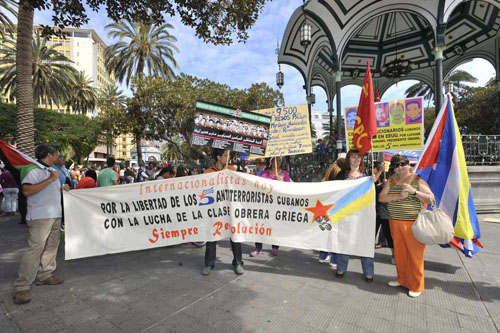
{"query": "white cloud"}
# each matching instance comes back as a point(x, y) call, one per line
point(241, 64)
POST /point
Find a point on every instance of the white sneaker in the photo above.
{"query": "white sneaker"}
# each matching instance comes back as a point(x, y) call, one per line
point(333, 265)
point(414, 294)
point(394, 283)
point(324, 261)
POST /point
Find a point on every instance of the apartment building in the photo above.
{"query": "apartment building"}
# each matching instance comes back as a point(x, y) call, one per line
point(86, 49)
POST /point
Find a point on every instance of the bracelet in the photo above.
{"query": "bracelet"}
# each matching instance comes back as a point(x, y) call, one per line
point(416, 192)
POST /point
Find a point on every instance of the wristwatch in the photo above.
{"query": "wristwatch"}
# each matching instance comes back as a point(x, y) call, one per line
point(416, 192)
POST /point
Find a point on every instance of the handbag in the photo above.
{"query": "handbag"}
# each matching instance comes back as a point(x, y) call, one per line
point(433, 226)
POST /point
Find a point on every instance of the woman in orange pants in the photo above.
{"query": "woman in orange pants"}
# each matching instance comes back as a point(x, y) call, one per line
point(405, 193)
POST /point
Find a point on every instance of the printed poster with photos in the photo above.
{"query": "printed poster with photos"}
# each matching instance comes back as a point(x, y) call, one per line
point(223, 127)
point(400, 125)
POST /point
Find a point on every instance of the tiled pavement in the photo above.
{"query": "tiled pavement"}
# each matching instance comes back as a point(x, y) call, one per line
point(162, 291)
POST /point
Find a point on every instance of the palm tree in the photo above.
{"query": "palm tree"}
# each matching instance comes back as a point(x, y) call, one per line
point(83, 97)
point(25, 139)
point(6, 25)
point(51, 71)
point(111, 102)
point(451, 82)
point(141, 48)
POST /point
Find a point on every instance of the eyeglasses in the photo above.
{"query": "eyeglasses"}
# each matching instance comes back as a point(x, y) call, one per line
point(401, 164)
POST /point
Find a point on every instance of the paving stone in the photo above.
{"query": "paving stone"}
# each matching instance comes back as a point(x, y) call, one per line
point(162, 290)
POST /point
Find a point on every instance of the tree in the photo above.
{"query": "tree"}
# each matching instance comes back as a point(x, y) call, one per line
point(6, 25)
point(77, 132)
point(170, 105)
point(52, 73)
point(215, 22)
point(141, 47)
point(477, 110)
point(452, 83)
point(83, 96)
point(112, 116)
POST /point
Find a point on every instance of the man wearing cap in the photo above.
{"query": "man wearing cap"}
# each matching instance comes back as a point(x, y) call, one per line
point(42, 188)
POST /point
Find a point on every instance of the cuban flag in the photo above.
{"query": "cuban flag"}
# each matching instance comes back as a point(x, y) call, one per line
point(442, 165)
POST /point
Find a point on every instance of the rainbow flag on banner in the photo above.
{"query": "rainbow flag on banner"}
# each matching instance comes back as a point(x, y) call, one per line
point(442, 165)
point(16, 161)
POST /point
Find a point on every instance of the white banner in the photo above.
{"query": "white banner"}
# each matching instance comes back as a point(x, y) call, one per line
point(336, 216)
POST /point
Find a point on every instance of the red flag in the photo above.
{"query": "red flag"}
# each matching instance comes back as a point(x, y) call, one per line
point(377, 95)
point(366, 124)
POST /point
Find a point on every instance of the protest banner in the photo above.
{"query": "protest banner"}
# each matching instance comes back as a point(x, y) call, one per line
point(330, 216)
point(400, 125)
point(290, 133)
point(222, 127)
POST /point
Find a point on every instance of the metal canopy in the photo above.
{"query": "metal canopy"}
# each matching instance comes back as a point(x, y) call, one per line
point(358, 31)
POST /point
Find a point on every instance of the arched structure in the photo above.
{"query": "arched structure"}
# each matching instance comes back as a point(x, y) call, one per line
point(434, 37)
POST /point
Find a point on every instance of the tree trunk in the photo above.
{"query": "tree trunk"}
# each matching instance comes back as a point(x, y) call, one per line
point(24, 94)
point(139, 149)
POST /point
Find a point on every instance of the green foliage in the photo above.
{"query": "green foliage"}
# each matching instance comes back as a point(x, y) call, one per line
point(53, 76)
point(429, 118)
point(141, 47)
point(477, 110)
point(7, 27)
point(62, 130)
point(213, 21)
point(83, 96)
point(168, 106)
point(453, 81)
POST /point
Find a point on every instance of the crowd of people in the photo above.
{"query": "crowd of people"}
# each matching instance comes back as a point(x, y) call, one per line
point(400, 194)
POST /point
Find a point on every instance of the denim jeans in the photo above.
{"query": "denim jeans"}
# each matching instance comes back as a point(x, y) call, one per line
point(366, 263)
point(323, 255)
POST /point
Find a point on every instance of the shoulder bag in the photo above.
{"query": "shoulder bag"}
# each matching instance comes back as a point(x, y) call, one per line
point(433, 226)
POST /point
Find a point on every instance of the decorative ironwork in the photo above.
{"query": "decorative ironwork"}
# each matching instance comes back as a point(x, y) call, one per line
point(481, 149)
point(280, 78)
point(397, 68)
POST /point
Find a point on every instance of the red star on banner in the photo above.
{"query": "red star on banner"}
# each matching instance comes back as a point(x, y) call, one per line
point(320, 210)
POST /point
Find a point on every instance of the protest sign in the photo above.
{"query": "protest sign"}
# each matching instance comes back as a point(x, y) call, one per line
point(330, 216)
point(400, 125)
point(290, 132)
point(222, 127)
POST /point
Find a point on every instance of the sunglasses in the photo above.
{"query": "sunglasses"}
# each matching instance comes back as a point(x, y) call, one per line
point(401, 164)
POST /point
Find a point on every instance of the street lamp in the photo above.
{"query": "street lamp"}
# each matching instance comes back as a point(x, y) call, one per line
point(311, 99)
point(305, 33)
point(280, 78)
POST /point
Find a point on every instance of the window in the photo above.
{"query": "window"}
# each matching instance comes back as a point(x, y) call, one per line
point(81, 34)
point(124, 139)
point(124, 146)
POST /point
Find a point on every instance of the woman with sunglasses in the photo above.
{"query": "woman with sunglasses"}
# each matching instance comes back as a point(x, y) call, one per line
point(355, 169)
point(405, 192)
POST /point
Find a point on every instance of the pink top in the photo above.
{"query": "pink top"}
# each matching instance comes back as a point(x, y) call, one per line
point(269, 174)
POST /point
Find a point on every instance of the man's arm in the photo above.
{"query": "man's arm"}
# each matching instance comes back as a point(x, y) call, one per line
point(30, 189)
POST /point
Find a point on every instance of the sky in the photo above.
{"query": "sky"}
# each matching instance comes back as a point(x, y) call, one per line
point(241, 64)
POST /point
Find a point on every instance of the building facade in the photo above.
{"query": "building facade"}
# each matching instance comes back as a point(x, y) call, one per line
point(86, 50)
point(320, 121)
